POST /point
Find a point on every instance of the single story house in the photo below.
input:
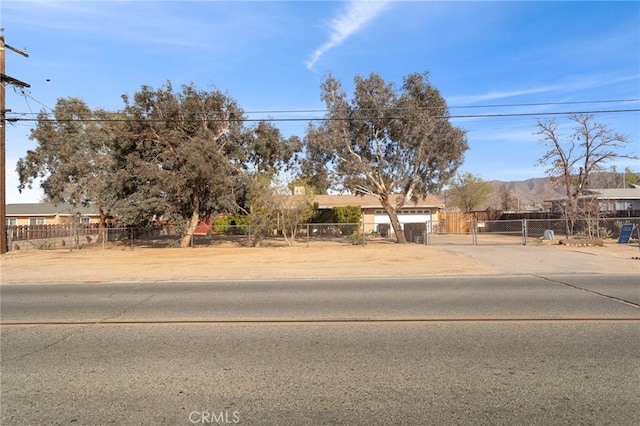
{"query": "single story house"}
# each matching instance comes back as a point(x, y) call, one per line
point(616, 201)
point(421, 212)
point(49, 214)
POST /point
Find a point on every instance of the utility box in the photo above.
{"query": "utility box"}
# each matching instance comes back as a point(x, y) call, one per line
point(548, 235)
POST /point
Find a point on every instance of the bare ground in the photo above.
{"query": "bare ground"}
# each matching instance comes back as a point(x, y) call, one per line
point(230, 261)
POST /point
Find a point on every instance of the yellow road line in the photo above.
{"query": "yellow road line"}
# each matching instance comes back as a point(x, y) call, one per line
point(330, 320)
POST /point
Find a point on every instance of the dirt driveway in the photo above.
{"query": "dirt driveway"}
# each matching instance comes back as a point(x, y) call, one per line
point(319, 260)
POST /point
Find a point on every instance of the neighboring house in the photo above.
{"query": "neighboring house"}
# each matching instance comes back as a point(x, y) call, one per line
point(49, 214)
point(422, 212)
point(616, 201)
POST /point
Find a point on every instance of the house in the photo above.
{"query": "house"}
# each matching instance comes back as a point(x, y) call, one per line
point(614, 201)
point(50, 214)
point(618, 200)
point(422, 211)
point(416, 216)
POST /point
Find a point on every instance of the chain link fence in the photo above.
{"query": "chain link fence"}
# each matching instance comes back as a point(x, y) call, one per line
point(523, 231)
point(470, 232)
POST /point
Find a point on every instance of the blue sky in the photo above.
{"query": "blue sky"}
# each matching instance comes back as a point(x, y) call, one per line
point(272, 56)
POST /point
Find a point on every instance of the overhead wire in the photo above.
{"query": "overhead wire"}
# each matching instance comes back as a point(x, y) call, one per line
point(293, 119)
point(244, 118)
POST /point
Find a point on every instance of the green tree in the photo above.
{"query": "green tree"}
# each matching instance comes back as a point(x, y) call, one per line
point(73, 158)
point(261, 208)
point(292, 210)
point(313, 164)
point(272, 207)
point(348, 218)
point(179, 155)
point(386, 141)
point(263, 149)
point(631, 178)
point(468, 191)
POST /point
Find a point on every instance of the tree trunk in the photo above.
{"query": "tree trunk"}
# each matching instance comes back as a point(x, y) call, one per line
point(195, 218)
point(286, 239)
point(395, 222)
point(572, 215)
point(289, 237)
point(256, 241)
point(101, 225)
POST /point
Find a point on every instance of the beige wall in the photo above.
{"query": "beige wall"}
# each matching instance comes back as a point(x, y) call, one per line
point(49, 219)
point(369, 216)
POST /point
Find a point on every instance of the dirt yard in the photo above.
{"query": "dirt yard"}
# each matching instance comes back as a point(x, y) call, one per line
point(118, 263)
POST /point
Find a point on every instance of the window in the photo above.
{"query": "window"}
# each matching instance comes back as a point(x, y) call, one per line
point(36, 221)
point(85, 220)
point(11, 222)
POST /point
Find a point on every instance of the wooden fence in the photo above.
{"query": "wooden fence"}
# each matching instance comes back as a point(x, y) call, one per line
point(44, 232)
point(460, 222)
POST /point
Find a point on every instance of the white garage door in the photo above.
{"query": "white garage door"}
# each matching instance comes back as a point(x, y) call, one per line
point(419, 216)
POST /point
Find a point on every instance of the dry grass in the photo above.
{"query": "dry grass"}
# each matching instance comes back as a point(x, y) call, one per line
point(230, 260)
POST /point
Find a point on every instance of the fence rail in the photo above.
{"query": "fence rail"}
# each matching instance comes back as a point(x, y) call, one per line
point(34, 232)
point(441, 232)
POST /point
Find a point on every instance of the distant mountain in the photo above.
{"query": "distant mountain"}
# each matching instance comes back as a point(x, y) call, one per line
point(530, 194)
point(522, 195)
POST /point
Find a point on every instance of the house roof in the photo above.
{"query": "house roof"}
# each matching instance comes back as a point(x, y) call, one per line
point(371, 201)
point(609, 194)
point(617, 193)
point(48, 209)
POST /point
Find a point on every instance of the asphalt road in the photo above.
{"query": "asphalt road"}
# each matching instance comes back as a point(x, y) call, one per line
point(556, 349)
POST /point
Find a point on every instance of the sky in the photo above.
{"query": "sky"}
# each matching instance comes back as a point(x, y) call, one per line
point(500, 65)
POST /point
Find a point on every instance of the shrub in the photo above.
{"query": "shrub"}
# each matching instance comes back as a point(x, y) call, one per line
point(349, 216)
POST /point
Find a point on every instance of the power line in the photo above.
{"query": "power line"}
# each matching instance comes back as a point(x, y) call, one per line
point(28, 96)
point(303, 119)
point(457, 106)
point(299, 111)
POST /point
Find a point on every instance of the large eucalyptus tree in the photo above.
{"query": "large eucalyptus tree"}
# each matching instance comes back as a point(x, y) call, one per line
point(185, 155)
point(177, 155)
point(394, 144)
point(73, 158)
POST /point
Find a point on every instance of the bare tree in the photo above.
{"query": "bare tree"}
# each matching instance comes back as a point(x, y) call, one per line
point(506, 198)
point(571, 160)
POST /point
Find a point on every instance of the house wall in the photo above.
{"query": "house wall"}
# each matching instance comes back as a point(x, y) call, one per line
point(374, 217)
point(605, 205)
point(27, 220)
point(619, 205)
point(24, 220)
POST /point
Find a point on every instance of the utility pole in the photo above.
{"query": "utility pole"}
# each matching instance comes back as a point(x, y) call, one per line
point(4, 80)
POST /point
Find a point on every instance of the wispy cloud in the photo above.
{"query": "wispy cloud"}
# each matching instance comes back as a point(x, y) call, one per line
point(357, 14)
point(495, 95)
point(577, 83)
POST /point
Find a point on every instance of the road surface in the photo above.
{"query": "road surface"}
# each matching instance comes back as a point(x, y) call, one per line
point(553, 349)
